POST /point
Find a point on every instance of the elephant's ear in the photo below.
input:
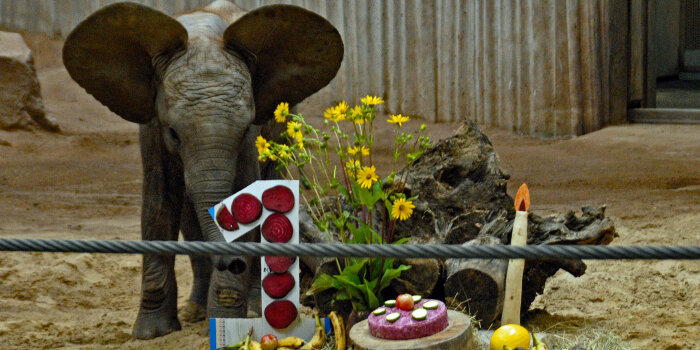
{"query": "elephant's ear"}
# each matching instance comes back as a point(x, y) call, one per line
point(110, 55)
point(295, 53)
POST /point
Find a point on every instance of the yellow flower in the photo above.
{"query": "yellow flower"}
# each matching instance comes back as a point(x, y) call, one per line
point(402, 209)
point(333, 114)
point(281, 112)
point(341, 108)
point(372, 100)
point(285, 153)
point(267, 155)
point(262, 145)
point(398, 119)
point(352, 165)
point(294, 131)
point(356, 115)
point(365, 151)
point(366, 177)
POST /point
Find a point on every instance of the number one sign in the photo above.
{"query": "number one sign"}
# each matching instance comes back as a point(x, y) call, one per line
point(272, 205)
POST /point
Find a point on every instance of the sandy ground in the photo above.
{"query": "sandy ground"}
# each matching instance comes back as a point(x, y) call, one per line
point(84, 183)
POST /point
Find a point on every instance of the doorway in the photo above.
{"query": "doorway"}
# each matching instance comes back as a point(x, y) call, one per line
point(665, 50)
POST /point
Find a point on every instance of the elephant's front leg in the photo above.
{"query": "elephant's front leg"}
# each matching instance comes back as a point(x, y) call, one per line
point(196, 308)
point(160, 218)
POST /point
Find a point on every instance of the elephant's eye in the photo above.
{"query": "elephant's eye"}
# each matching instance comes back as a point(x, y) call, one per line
point(173, 135)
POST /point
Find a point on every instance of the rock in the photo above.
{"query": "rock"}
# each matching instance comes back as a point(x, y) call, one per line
point(20, 95)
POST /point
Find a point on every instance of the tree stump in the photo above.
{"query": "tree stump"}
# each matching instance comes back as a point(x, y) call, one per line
point(457, 336)
point(462, 198)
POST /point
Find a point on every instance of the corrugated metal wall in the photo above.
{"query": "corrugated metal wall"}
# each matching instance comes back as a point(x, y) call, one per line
point(534, 67)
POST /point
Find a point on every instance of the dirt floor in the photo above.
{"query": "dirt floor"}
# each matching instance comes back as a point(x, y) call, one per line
point(85, 183)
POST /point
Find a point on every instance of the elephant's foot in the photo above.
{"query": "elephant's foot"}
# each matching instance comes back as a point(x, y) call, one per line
point(227, 303)
point(151, 325)
point(192, 312)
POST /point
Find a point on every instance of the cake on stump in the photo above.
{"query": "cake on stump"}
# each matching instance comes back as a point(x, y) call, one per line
point(409, 323)
point(399, 321)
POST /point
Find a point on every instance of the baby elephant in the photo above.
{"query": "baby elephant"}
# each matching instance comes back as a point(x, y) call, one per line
point(202, 86)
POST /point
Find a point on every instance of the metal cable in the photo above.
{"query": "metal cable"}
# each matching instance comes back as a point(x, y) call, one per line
point(354, 250)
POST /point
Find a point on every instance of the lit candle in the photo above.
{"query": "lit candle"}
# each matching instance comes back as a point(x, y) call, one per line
point(516, 267)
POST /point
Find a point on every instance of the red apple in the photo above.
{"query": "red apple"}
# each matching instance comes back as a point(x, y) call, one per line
point(269, 342)
point(404, 302)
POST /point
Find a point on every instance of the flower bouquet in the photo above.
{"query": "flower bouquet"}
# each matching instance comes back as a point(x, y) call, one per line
point(345, 195)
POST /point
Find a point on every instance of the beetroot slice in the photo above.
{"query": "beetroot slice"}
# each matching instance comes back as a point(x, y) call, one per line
point(277, 228)
point(246, 208)
point(277, 285)
point(280, 313)
point(279, 198)
point(226, 220)
point(279, 264)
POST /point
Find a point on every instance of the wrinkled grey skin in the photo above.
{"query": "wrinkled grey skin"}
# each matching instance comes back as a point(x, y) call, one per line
point(198, 129)
point(190, 155)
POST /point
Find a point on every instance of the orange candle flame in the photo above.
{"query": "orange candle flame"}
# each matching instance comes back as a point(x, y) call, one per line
point(522, 198)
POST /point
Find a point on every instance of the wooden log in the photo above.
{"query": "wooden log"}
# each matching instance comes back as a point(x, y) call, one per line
point(420, 279)
point(457, 336)
point(477, 284)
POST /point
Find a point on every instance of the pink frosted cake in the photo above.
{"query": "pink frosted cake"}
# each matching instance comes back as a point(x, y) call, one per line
point(397, 324)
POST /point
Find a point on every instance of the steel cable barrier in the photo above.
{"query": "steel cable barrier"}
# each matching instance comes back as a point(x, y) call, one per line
point(354, 250)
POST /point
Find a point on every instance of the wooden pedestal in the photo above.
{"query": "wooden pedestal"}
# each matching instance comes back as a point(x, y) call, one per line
point(457, 336)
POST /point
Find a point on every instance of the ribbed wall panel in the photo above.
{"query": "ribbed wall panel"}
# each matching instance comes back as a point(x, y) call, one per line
point(535, 67)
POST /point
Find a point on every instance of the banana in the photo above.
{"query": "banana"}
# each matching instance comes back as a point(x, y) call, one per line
point(319, 337)
point(254, 345)
point(537, 344)
point(291, 342)
point(338, 329)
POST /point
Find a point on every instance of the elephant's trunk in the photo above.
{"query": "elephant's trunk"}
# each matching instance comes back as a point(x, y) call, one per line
point(210, 179)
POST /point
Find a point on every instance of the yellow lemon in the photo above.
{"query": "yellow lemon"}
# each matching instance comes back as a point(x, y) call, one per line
point(512, 335)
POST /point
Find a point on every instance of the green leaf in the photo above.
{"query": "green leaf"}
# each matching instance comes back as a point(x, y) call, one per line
point(390, 274)
point(359, 234)
point(372, 300)
point(344, 191)
point(364, 196)
point(341, 295)
point(354, 261)
point(321, 283)
point(389, 263)
point(354, 269)
point(389, 206)
point(376, 264)
point(402, 240)
point(377, 193)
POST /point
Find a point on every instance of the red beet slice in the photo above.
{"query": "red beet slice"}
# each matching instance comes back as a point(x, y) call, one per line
point(279, 264)
point(279, 198)
point(226, 220)
point(277, 228)
point(246, 208)
point(277, 285)
point(280, 313)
